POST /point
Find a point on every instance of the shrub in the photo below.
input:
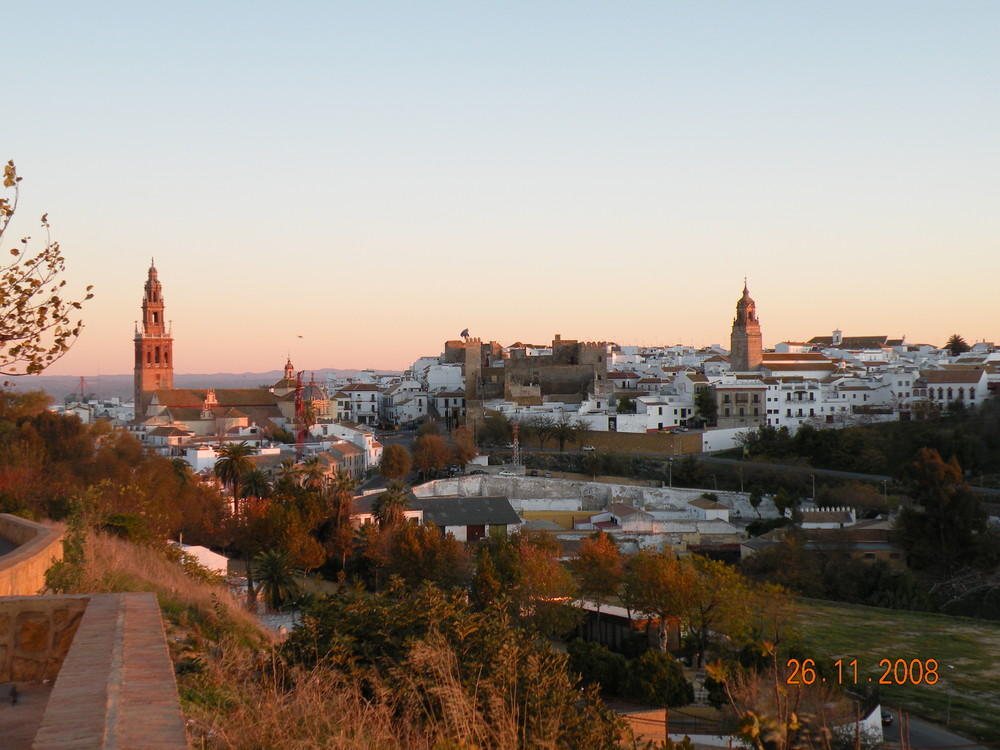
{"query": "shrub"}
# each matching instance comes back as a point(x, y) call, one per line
point(597, 665)
point(655, 677)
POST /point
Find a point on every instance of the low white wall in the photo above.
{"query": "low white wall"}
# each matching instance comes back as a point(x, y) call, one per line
point(720, 440)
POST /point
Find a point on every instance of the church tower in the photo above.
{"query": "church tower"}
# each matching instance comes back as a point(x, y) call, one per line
point(154, 356)
point(746, 350)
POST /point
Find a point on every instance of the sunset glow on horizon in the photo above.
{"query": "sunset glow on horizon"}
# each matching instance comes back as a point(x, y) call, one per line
point(354, 184)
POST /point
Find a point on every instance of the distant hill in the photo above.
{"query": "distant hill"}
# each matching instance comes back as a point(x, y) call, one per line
point(109, 386)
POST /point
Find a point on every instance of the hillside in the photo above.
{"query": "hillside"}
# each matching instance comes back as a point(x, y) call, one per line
point(965, 651)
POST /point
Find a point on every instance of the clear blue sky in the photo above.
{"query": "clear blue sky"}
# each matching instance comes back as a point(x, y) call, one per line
point(375, 177)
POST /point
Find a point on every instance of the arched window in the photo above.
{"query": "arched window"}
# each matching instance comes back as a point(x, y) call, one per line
point(940, 392)
point(949, 395)
point(961, 394)
point(156, 318)
point(149, 357)
point(166, 356)
point(972, 394)
point(156, 356)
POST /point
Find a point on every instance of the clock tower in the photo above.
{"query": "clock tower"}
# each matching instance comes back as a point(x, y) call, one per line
point(154, 356)
point(746, 349)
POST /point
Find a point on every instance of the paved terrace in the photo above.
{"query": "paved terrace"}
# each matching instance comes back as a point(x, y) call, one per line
point(115, 687)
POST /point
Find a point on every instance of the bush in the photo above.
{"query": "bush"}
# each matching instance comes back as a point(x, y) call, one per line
point(597, 665)
point(655, 677)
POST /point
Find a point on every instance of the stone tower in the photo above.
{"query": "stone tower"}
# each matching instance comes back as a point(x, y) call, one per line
point(746, 350)
point(154, 356)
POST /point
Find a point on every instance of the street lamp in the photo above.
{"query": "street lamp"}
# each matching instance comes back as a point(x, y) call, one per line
point(814, 486)
point(741, 478)
point(670, 466)
point(885, 491)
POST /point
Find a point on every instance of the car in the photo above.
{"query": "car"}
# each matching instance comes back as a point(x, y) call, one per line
point(886, 717)
point(505, 473)
point(477, 472)
point(533, 473)
point(548, 474)
point(587, 448)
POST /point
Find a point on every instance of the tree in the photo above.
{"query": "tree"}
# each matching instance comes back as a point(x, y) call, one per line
point(625, 405)
point(35, 325)
point(944, 531)
point(256, 483)
point(430, 454)
point(705, 405)
point(495, 429)
point(565, 429)
point(312, 473)
point(540, 427)
point(464, 446)
point(288, 474)
point(396, 462)
point(755, 500)
point(655, 677)
point(232, 465)
point(717, 603)
point(276, 577)
point(657, 584)
point(419, 553)
point(390, 505)
point(597, 569)
point(956, 345)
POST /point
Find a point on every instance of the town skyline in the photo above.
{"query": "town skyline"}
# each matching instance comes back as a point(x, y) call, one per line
point(354, 185)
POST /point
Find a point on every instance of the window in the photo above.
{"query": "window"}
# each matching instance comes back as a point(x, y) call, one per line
point(727, 399)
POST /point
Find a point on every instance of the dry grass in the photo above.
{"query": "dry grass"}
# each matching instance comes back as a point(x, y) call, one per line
point(199, 607)
point(237, 693)
point(242, 702)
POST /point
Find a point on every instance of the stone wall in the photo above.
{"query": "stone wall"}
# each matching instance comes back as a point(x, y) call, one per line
point(35, 635)
point(644, 444)
point(22, 572)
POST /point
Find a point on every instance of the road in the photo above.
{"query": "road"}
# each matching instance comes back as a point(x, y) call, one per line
point(926, 736)
point(805, 470)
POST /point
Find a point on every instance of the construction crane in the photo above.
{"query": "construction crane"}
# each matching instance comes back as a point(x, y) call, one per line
point(300, 417)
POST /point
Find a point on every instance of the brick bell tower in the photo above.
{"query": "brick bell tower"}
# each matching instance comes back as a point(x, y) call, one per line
point(746, 347)
point(154, 356)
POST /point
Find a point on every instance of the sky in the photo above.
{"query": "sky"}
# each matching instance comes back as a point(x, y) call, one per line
point(355, 183)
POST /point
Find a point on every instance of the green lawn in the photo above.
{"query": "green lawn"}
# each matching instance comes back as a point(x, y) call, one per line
point(830, 630)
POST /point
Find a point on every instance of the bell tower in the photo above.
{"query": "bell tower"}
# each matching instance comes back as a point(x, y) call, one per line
point(746, 349)
point(154, 356)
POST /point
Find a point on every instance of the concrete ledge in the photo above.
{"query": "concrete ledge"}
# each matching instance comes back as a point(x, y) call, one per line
point(22, 572)
point(116, 688)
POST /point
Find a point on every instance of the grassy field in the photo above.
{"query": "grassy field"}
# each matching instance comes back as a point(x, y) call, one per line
point(830, 631)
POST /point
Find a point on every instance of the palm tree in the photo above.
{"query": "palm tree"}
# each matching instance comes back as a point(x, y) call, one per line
point(312, 472)
point(390, 505)
point(256, 483)
point(957, 345)
point(232, 465)
point(182, 469)
point(276, 578)
point(288, 474)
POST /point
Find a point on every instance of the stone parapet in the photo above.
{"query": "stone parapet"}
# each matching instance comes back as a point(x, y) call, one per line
point(116, 688)
point(22, 572)
point(35, 635)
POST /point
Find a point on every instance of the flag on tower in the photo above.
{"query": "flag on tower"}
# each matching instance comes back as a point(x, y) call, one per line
point(465, 334)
